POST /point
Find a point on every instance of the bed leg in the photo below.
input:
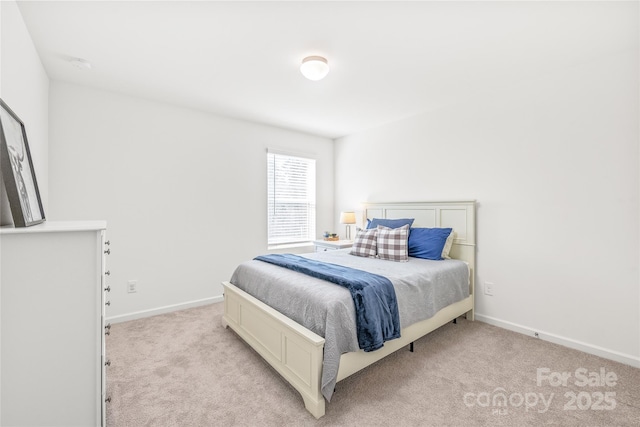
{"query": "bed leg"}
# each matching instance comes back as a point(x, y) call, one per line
point(455, 321)
point(316, 408)
point(411, 346)
point(225, 323)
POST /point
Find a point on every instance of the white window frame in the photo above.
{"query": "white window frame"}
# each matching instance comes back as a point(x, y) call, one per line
point(298, 226)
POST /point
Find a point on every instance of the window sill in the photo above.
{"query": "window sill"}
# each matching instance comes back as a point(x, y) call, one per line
point(290, 246)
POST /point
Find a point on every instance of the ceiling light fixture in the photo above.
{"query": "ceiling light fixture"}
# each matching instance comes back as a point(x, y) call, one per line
point(80, 63)
point(314, 67)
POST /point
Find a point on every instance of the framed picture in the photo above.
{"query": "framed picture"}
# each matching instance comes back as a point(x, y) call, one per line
point(17, 170)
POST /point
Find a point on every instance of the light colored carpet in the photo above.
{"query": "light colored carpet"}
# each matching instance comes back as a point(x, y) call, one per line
point(185, 369)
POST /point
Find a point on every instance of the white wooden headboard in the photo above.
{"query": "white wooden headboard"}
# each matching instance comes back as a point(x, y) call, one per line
point(459, 215)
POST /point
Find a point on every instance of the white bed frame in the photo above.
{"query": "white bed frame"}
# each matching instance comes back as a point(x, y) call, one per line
point(296, 352)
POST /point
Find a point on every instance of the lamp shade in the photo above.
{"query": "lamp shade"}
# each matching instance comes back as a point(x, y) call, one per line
point(347, 218)
point(314, 67)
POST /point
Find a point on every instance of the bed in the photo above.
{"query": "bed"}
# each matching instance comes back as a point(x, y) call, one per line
point(299, 354)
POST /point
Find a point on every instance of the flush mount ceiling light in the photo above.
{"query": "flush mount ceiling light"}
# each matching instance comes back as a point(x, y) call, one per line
point(314, 67)
point(80, 63)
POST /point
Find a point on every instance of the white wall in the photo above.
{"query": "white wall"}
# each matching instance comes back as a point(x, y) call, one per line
point(183, 192)
point(553, 164)
point(25, 88)
point(2, 202)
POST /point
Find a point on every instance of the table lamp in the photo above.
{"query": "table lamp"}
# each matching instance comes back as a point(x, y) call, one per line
point(347, 218)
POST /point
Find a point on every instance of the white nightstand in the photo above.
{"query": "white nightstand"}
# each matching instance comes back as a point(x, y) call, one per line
point(331, 245)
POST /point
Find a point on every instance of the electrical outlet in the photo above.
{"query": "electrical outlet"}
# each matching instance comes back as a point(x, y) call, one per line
point(132, 286)
point(488, 289)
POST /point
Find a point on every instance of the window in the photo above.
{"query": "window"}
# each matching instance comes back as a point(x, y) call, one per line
point(291, 198)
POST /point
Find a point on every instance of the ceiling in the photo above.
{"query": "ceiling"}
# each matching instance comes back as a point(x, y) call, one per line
point(389, 60)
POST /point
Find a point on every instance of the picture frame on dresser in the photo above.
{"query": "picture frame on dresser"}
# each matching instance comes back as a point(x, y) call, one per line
point(18, 174)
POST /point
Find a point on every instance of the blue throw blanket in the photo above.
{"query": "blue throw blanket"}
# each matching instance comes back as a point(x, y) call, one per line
point(377, 318)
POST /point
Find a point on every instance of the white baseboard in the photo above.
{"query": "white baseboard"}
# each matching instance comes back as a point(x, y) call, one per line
point(162, 310)
point(627, 359)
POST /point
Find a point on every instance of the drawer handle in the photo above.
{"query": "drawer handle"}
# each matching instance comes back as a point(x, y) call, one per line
point(108, 399)
point(107, 363)
point(107, 303)
point(107, 333)
point(108, 242)
point(107, 273)
point(107, 326)
point(107, 289)
point(108, 252)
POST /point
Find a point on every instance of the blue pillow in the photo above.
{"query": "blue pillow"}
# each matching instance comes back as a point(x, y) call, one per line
point(391, 223)
point(427, 243)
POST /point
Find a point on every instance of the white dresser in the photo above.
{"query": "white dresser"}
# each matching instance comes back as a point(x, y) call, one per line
point(52, 309)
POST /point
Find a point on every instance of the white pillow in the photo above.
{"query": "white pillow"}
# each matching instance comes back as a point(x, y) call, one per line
point(447, 245)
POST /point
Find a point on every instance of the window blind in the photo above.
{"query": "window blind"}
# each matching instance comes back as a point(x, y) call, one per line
point(291, 198)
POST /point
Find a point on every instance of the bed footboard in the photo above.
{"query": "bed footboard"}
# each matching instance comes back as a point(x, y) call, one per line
point(297, 353)
point(292, 350)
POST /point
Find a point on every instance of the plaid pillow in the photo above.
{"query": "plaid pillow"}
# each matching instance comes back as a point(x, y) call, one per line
point(365, 243)
point(392, 243)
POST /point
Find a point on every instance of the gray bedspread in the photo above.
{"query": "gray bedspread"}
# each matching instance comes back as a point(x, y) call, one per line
point(423, 287)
